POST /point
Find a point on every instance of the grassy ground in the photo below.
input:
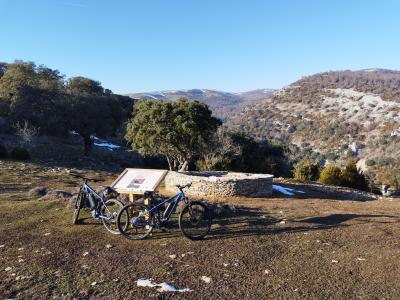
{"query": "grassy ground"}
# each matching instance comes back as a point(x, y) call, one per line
point(271, 248)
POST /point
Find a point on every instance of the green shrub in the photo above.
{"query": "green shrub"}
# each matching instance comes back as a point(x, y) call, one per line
point(352, 177)
point(390, 176)
point(3, 151)
point(20, 153)
point(331, 175)
point(306, 170)
point(331, 156)
point(370, 162)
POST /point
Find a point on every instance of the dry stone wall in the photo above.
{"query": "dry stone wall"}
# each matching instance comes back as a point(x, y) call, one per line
point(221, 183)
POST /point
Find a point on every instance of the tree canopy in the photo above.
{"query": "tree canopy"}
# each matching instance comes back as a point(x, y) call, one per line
point(42, 97)
point(179, 131)
point(95, 115)
point(81, 86)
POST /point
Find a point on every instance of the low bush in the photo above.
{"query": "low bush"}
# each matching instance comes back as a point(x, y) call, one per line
point(354, 178)
point(20, 154)
point(306, 170)
point(370, 162)
point(331, 175)
point(58, 195)
point(38, 191)
point(3, 151)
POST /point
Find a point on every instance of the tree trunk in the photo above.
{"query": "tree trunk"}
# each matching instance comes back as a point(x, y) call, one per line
point(169, 163)
point(184, 167)
point(88, 143)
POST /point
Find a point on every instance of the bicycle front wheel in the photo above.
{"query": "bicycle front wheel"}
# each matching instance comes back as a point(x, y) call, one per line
point(195, 220)
point(109, 213)
point(133, 222)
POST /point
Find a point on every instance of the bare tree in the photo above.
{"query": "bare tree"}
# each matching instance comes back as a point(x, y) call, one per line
point(26, 132)
point(219, 146)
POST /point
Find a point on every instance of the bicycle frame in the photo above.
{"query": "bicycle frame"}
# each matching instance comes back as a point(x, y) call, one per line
point(175, 198)
point(89, 191)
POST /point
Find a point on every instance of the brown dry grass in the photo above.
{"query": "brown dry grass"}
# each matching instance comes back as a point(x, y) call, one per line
point(272, 248)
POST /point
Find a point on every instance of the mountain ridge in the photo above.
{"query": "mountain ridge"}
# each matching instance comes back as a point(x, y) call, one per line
point(221, 103)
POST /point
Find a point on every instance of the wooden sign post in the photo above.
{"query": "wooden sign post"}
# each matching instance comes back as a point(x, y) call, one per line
point(213, 179)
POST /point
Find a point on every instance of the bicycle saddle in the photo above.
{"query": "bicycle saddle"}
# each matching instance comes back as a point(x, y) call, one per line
point(148, 194)
point(181, 187)
point(109, 192)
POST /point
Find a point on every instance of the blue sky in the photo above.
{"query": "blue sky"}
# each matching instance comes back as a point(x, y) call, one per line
point(149, 45)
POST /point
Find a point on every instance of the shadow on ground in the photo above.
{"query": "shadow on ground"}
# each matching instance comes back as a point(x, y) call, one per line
point(336, 219)
point(319, 191)
point(252, 222)
point(244, 221)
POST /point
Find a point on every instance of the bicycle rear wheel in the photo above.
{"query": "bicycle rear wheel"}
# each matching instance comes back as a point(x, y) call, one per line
point(133, 221)
point(109, 213)
point(77, 207)
point(195, 220)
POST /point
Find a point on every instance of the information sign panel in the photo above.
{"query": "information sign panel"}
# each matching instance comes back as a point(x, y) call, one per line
point(138, 181)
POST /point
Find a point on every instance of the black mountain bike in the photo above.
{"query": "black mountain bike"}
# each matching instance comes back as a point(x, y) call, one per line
point(136, 221)
point(101, 209)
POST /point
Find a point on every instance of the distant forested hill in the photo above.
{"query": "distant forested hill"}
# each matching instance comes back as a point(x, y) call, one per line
point(338, 114)
point(222, 104)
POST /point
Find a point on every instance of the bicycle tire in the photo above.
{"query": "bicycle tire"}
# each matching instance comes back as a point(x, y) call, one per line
point(125, 226)
point(195, 207)
point(107, 223)
point(77, 207)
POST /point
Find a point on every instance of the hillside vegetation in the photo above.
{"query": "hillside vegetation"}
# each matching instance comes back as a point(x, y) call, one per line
point(45, 103)
point(336, 114)
point(38, 102)
point(333, 116)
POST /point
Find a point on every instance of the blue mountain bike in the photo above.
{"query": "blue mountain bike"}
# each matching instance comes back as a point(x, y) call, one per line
point(136, 221)
point(101, 208)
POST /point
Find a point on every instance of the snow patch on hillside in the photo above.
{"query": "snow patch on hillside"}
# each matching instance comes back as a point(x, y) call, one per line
point(361, 165)
point(354, 147)
point(107, 145)
point(395, 132)
point(73, 132)
point(286, 190)
point(364, 98)
point(354, 106)
point(371, 70)
point(267, 91)
point(348, 93)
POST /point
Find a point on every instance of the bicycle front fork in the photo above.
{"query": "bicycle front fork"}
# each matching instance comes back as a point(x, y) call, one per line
point(95, 214)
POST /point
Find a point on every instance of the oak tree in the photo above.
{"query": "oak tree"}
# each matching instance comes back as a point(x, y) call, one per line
point(179, 131)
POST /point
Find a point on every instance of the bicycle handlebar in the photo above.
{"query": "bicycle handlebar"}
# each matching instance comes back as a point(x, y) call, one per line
point(181, 187)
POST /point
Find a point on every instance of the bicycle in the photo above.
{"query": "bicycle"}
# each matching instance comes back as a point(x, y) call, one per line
point(101, 209)
point(136, 221)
